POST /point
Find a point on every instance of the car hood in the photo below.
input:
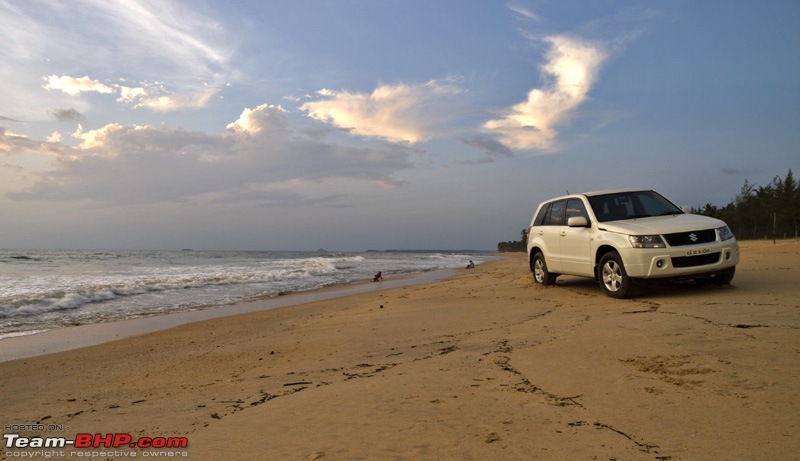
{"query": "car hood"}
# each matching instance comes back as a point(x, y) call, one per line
point(661, 224)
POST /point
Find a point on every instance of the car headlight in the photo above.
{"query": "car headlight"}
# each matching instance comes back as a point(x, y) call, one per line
point(647, 241)
point(724, 233)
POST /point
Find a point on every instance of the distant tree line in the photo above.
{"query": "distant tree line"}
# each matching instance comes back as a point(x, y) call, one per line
point(770, 211)
point(762, 212)
point(521, 245)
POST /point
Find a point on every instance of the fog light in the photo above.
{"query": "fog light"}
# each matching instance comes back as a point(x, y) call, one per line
point(660, 263)
point(727, 255)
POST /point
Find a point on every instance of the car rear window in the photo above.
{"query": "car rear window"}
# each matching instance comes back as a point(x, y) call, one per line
point(539, 221)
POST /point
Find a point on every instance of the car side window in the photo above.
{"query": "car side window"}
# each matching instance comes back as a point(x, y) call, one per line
point(540, 218)
point(575, 207)
point(556, 215)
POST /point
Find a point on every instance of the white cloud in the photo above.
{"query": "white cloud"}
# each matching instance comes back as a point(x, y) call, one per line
point(404, 113)
point(96, 138)
point(128, 94)
point(257, 155)
point(263, 117)
point(13, 144)
point(152, 96)
point(74, 86)
point(524, 12)
point(175, 32)
point(191, 99)
point(570, 71)
point(180, 44)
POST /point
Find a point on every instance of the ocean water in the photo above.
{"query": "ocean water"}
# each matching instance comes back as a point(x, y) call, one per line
point(46, 289)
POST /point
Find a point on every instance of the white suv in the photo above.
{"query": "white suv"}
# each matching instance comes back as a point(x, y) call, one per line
point(622, 235)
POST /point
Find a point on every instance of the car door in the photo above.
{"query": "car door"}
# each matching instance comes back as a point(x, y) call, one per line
point(549, 234)
point(575, 242)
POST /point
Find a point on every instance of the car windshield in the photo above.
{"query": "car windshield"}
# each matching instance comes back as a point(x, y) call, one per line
point(631, 205)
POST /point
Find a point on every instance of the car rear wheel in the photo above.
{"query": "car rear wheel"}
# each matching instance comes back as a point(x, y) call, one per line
point(540, 273)
point(613, 279)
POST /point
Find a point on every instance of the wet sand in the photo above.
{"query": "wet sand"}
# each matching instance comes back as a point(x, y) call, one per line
point(483, 365)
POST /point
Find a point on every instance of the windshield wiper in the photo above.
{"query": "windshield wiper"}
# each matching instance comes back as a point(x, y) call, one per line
point(637, 216)
point(668, 213)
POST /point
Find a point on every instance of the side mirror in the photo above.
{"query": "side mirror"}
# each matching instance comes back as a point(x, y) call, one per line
point(577, 221)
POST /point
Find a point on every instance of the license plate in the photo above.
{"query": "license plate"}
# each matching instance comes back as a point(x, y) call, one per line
point(699, 251)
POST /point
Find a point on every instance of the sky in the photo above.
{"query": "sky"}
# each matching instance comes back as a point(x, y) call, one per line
point(352, 125)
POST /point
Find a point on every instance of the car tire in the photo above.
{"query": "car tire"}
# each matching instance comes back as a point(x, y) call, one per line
point(541, 275)
point(612, 277)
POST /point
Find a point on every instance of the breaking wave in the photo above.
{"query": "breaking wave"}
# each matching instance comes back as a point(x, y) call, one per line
point(48, 289)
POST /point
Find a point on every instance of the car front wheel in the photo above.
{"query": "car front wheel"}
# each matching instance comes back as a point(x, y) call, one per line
point(613, 279)
point(540, 273)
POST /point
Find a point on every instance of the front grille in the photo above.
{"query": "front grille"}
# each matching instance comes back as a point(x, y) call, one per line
point(691, 238)
point(692, 261)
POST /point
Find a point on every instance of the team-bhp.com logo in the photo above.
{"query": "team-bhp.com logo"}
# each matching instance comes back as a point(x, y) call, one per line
point(84, 440)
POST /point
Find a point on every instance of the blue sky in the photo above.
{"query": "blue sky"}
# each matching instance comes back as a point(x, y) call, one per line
point(361, 124)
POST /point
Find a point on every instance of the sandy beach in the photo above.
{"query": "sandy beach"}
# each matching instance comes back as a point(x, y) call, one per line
point(483, 365)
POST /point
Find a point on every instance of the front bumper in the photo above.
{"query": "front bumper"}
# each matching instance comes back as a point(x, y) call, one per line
point(680, 261)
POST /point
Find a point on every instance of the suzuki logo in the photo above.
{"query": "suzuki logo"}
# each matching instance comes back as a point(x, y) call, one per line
point(693, 237)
